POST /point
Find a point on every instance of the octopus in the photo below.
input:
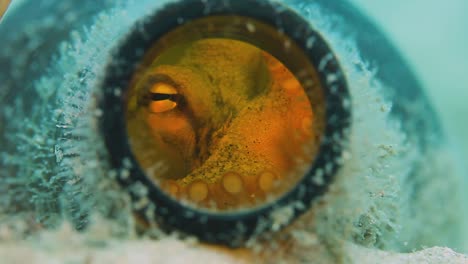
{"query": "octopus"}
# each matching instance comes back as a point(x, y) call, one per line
point(221, 124)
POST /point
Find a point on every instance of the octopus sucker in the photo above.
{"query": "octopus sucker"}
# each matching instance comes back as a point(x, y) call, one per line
point(232, 183)
point(198, 191)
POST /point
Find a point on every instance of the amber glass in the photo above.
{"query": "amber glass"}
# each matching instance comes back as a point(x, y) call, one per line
point(219, 123)
point(3, 6)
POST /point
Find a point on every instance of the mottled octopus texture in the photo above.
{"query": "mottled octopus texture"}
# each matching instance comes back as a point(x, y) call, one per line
point(240, 131)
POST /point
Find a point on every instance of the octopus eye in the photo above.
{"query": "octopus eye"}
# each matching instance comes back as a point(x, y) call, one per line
point(163, 98)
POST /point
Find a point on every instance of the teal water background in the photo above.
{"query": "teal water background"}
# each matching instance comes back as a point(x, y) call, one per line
point(433, 36)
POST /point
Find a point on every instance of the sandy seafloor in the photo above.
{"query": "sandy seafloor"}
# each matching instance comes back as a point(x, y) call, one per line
point(431, 34)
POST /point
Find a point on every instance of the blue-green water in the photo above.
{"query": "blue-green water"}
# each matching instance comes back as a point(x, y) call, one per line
point(433, 36)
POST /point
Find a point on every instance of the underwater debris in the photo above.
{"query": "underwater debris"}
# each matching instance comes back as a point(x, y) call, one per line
point(51, 143)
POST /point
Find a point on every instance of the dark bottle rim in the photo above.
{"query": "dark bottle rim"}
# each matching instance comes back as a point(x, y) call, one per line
point(225, 228)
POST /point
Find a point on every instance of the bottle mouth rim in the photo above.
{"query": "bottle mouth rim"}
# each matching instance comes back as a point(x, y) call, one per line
point(230, 228)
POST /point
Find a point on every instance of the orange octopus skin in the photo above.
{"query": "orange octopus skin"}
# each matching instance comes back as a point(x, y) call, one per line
point(241, 132)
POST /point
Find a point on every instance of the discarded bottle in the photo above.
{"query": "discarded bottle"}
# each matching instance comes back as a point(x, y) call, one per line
point(226, 120)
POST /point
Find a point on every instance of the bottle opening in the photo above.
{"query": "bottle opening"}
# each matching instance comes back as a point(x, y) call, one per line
point(217, 116)
point(224, 114)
